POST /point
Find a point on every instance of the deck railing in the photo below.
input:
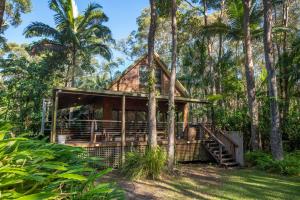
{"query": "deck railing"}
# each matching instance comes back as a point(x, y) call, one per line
point(109, 130)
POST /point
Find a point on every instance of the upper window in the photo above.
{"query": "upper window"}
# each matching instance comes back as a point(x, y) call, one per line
point(143, 76)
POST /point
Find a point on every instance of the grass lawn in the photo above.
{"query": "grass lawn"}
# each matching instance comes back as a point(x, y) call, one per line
point(197, 181)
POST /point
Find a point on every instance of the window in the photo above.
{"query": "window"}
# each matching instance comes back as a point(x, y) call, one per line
point(143, 73)
point(143, 76)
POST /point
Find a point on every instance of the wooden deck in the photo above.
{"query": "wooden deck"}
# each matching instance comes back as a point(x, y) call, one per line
point(111, 152)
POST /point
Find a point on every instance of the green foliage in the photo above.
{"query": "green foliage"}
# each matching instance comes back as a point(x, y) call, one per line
point(290, 165)
point(232, 120)
point(73, 37)
point(34, 169)
point(292, 128)
point(149, 165)
point(13, 11)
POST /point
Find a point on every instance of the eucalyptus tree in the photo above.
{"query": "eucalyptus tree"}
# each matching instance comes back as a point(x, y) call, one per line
point(275, 135)
point(244, 19)
point(151, 81)
point(249, 68)
point(74, 36)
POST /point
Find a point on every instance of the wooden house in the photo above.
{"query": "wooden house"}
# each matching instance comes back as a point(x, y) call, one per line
point(111, 122)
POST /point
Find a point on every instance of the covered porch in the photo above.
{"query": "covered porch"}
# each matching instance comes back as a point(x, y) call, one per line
point(110, 123)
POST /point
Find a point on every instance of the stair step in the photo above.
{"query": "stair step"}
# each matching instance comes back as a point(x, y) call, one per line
point(230, 164)
point(224, 160)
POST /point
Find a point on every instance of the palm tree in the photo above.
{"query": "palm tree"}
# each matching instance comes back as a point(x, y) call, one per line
point(152, 92)
point(75, 36)
point(275, 135)
point(171, 111)
point(11, 10)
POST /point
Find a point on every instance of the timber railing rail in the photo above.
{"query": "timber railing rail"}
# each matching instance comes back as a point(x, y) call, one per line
point(221, 145)
point(229, 144)
point(223, 140)
point(109, 130)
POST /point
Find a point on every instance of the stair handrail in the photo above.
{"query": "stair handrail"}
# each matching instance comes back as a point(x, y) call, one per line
point(228, 138)
point(212, 135)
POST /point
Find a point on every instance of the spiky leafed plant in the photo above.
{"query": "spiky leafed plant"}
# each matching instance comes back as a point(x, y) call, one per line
point(75, 36)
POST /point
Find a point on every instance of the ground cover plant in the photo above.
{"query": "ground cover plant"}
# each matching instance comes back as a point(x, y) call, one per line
point(290, 165)
point(148, 165)
point(35, 169)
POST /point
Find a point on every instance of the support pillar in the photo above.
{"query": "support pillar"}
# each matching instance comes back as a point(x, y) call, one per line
point(54, 116)
point(213, 120)
point(185, 118)
point(123, 132)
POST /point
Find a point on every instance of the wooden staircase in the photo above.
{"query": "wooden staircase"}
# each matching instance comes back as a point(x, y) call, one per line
point(220, 147)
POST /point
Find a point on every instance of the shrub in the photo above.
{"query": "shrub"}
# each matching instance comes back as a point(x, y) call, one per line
point(34, 169)
point(290, 165)
point(149, 165)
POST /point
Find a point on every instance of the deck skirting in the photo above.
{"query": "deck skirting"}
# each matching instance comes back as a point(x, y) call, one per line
point(110, 152)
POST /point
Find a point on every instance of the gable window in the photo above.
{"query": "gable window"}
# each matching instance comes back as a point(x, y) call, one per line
point(143, 77)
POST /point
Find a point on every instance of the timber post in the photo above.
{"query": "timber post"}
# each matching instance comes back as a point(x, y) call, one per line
point(213, 120)
point(185, 118)
point(54, 116)
point(123, 137)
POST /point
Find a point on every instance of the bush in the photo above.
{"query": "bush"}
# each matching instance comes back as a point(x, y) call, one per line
point(290, 165)
point(34, 169)
point(149, 165)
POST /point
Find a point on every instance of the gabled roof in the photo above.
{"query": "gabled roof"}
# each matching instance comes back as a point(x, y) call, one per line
point(161, 64)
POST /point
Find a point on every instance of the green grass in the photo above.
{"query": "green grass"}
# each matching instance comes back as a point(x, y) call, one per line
point(252, 184)
point(209, 182)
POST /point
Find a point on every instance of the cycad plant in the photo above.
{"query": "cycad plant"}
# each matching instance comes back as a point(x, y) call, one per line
point(74, 36)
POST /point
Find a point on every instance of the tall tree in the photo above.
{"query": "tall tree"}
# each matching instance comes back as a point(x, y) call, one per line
point(75, 36)
point(275, 135)
point(171, 111)
point(12, 10)
point(151, 81)
point(249, 69)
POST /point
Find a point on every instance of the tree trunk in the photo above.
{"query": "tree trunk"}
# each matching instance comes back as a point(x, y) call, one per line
point(171, 120)
point(211, 67)
point(2, 10)
point(249, 69)
point(73, 67)
point(285, 91)
point(275, 135)
point(151, 82)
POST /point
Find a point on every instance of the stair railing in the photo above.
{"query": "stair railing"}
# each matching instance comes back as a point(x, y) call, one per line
point(220, 143)
point(229, 144)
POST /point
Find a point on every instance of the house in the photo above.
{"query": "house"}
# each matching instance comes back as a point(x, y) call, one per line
point(110, 122)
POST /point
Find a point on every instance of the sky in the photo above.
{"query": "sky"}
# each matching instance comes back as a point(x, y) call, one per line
point(122, 17)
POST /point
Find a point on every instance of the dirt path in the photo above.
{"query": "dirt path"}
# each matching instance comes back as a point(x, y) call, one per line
point(190, 178)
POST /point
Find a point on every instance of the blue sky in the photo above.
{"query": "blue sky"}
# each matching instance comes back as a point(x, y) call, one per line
point(122, 17)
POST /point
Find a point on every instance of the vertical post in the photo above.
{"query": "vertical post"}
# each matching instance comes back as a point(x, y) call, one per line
point(43, 117)
point(93, 139)
point(54, 116)
point(220, 153)
point(185, 118)
point(213, 122)
point(123, 137)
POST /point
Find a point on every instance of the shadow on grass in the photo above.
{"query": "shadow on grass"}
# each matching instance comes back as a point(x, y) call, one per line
point(206, 182)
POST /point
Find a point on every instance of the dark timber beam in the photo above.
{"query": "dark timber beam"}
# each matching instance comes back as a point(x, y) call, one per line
point(54, 116)
point(123, 134)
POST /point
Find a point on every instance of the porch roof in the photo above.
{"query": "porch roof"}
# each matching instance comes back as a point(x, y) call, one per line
point(108, 93)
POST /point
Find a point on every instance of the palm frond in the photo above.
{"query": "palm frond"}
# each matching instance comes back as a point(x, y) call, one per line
point(38, 29)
